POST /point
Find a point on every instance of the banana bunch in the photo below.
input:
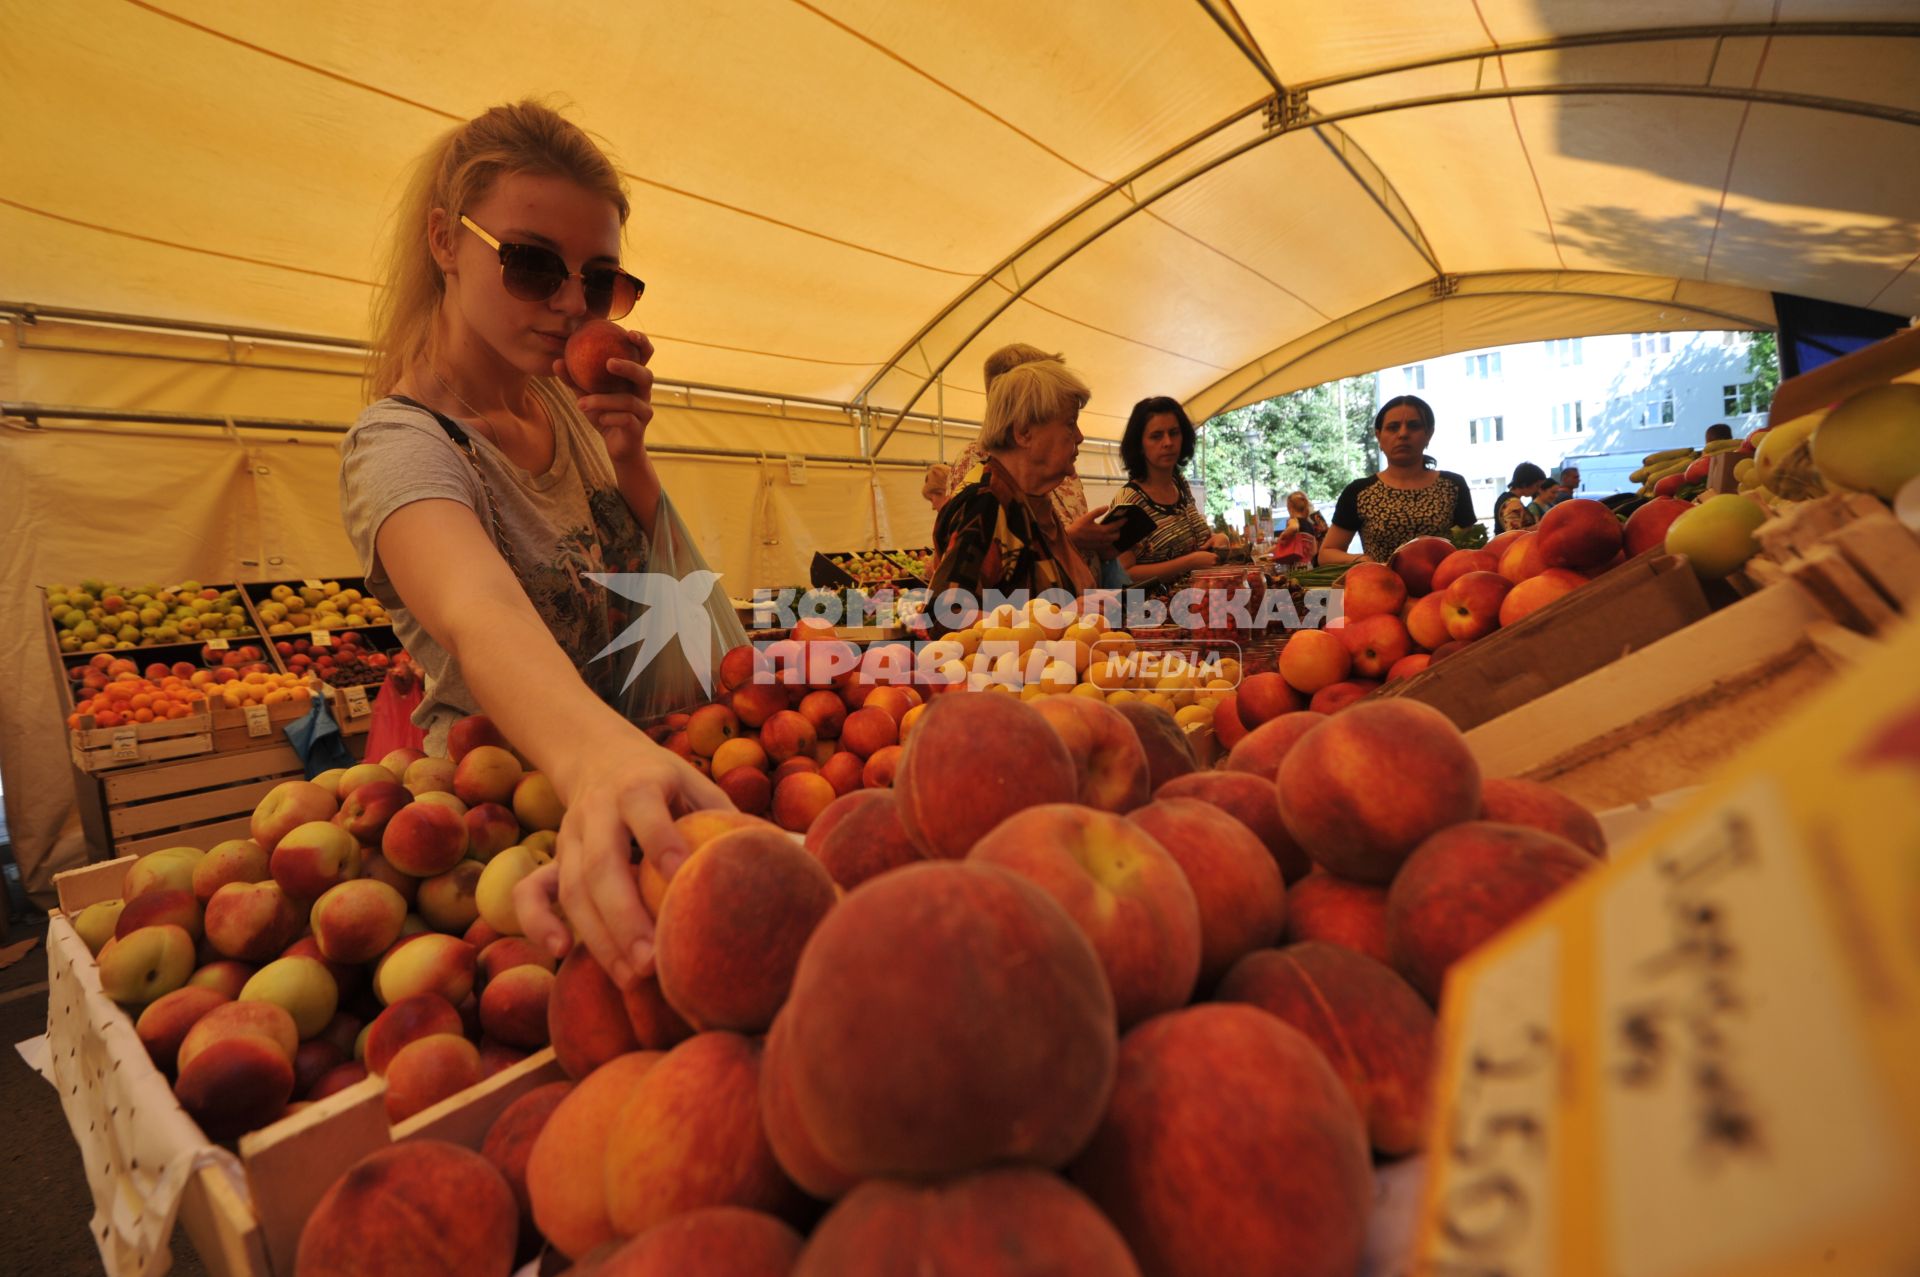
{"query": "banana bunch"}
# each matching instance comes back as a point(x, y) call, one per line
point(1656, 466)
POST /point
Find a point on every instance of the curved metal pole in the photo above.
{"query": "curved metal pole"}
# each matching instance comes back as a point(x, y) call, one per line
point(1640, 35)
point(1806, 101)
point(1746, 322)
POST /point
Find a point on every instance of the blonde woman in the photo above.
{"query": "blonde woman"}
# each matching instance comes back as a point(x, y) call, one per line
point(480, 490)
point(997, 531)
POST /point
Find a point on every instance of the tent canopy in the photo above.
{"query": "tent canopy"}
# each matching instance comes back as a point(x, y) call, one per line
point(853, 200)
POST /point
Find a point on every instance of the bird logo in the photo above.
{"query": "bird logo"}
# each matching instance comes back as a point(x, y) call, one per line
point(674, 607)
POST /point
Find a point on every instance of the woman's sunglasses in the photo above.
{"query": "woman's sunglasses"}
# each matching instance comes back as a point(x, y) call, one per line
point(535, 274)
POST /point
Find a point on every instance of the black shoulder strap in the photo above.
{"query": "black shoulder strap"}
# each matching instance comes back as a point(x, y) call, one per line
point(448, 424)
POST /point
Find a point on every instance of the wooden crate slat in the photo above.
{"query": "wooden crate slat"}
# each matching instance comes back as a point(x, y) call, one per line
point(220, 769)
point(146, 752)
point(464, 1118)
point(160, 729)
point(190, 809)
point(291, 1163)
point(90, 884)
point(203, 837)
point(225, 1234)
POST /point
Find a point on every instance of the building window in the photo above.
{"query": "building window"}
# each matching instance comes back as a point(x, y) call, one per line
point(1652, 344)
point(1565, 352)
point(1483, 367)
point(1414, 376)
point(1486, 429)
point(1567, 419)
point(1653, 408)
point(1740, 399)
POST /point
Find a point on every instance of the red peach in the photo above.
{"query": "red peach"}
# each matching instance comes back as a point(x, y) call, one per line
point(417, 1207)
point(952, 789)
point(690, 1135)
point(1409, 665)
point(1416, 561)
point(1371, 589)
point(752, 705)
point(1107, 754)
point(469, 734)
point(1313, 659)
point(1338, 696)
point(1579, 534)
point(845, 771)
point(407, 1020)
point(1459, 564)
point(1009, 1220)
point(1426, 621)
point(428, 1070)
point(787, 734)
point(826, 711)
point(787, 1135)
point(881, 768)
point(1260, 754)
point(1241, 894)
point(1524, 559)
point(798, 800)
point(1324, 906)
point(1376, 642)
point(513, 1007)
point(565, 1183)
point(424, 839)
point(1512, 801)
point(1375, 781)
point(1251, 801)
point(869, 730)
point(1373, 1028)
point(165, 1022)
point(865, 840)
point(1230, 1146)
point(1464, 885)
point(1471, 604)
point(1536, 592)
point(942, 979)
point(1169, 752)
point(510, 1140)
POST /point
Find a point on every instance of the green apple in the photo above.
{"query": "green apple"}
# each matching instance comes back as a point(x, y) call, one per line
point(142, 965)
point(1871, 443)
point(1716, 536)
point(96, 923)
point(302, 987)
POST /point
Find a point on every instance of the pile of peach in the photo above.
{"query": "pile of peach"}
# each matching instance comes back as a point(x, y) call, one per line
point(1047, 1004)
point(369, 907)
point(1431, 600)
point(790, 731)
point(113, 693)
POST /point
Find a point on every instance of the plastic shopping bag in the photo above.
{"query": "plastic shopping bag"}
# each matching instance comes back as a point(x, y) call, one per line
point(392, 726)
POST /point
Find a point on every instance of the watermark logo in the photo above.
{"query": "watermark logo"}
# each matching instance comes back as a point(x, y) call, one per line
point(675, 609)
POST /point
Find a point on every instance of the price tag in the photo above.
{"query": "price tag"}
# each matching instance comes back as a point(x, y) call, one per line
point(126, 745)
point(258, 721)
point(796, 469)
point(216, 645)
point(312, 583)
point(323, 638)
point(357, 703)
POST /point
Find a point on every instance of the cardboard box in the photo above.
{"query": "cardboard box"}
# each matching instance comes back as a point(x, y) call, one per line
point(1635, 605)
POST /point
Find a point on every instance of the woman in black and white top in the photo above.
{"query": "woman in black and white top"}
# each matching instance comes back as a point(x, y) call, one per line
point(1408, 499)
point(1159, 441)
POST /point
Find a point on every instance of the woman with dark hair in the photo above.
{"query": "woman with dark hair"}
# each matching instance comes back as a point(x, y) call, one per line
point(1158, 442)
point(1519, 506)
point(1408, 499)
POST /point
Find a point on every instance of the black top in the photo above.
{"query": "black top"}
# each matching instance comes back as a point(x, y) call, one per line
point(1387, 518)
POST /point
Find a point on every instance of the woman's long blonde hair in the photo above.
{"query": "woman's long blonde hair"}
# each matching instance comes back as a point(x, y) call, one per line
point(456, 172)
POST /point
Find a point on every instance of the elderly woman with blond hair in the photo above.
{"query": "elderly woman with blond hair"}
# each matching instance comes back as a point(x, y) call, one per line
point(998, 530)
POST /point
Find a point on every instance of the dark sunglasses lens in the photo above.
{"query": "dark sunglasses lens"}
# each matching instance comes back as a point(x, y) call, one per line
point(610, 293)
point(531, 273)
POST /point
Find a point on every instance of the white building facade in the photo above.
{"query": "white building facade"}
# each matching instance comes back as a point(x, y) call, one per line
point(1597, 403)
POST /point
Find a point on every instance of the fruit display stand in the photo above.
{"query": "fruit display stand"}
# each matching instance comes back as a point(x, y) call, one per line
point(1664, 716)
point(1629, 608)
point(243, 1211)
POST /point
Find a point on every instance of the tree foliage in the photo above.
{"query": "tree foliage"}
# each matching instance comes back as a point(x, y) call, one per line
point(1315, 441)
point(1763, 367)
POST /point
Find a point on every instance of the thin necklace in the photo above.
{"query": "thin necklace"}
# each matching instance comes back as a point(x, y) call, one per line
point(485, 420)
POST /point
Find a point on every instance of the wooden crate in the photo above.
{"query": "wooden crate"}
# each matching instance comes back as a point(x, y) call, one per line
point(253, 727)
point(195, 803)
point(1668, 715)
point(1637, 604)
point(102, 749)
point(291, 1163)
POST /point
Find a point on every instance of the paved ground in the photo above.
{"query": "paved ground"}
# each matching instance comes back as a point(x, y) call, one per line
point(44, 1204)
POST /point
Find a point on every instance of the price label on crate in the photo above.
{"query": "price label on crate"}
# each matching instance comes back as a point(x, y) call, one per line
point(216, 645)
point(323, 638)
point(126, 745)
point(357, 704)
point(258, 722)
point(313, 583)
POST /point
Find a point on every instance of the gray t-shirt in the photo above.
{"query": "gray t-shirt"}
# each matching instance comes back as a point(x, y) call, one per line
point(561, 525)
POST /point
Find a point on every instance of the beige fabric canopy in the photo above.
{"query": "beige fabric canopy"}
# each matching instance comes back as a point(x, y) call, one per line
point(841, 205)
